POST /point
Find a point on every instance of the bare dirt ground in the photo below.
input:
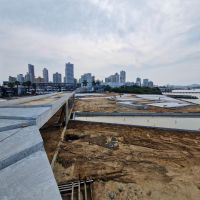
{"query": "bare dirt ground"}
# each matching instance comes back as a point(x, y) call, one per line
point(51, 134)
point(51, 137)
point(107, 105)
point(131, 163)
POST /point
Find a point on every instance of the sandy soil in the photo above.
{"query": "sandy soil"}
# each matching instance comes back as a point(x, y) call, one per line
point(131, 163)
point(107, 105)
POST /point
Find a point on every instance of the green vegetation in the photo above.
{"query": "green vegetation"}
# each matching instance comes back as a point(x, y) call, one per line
point(134, 89)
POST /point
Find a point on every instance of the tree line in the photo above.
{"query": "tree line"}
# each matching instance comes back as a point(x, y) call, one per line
point(11, 88)
point(133, 89)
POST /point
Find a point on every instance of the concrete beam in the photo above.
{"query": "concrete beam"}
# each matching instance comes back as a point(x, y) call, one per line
point(139, 114)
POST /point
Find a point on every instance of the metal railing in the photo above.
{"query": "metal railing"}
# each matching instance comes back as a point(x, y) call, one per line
point(80, 190)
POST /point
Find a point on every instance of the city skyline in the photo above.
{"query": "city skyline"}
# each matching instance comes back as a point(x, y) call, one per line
point(154, 39)
point(140, 81)
point(69, 70)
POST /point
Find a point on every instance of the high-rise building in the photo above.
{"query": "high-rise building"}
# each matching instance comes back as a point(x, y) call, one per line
point(113, 78)
point(39, 80)
point(122, 77)
point(12, 79)
point(145, 82)
point(31, 73)
point(45, 75)
point(27, 77)
point(87, 80)
point(69, 73)
point(20, 78)
point(138, 81)
point(150, 84)
point(57, 78)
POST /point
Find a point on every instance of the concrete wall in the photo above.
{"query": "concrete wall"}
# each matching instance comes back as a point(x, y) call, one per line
point(138, 114)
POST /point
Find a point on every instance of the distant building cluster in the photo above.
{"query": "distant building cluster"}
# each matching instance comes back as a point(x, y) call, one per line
point(57, 77)
point(42, 83)
point(146, 82)
point(86, 82)
point(116, 80)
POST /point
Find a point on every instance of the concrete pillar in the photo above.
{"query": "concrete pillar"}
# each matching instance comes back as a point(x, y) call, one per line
point(67, 112)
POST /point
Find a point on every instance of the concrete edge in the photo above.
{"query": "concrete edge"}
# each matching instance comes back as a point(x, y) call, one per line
point(26, 106)
point(140, 126)
point(138, 114)
point(17, 118)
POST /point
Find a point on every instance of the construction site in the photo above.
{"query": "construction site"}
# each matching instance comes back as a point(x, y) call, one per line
point(111, 102)
point(94, 160)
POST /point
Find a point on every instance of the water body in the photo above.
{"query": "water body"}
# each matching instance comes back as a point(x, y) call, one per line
point(164, 122)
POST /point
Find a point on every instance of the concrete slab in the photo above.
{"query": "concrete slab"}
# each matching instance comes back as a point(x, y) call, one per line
point(45, 101)
point(164, 101)
point(130, 104)
point(29, 179)
point(88, 94)
point(8, 124)
point(170, 104)
point(19, 144)
point(5, 134)
point(22, 112)
point(25, 99)
point(25, 172)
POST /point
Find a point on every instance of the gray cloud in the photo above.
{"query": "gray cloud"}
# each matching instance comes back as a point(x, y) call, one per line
point(147, 38)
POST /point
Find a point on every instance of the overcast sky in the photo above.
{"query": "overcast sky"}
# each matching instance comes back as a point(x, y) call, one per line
point(155, 39)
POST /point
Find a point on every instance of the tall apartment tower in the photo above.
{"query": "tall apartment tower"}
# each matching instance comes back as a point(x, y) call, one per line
point(145, 82)
point(20, 78)
point(57, 78)
point(69, 73)
point(45, 75)
point(31, 73)
point(27, 77)
point(122, 77)
point(12, 79)
point(115, 78)
point(138, 82)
